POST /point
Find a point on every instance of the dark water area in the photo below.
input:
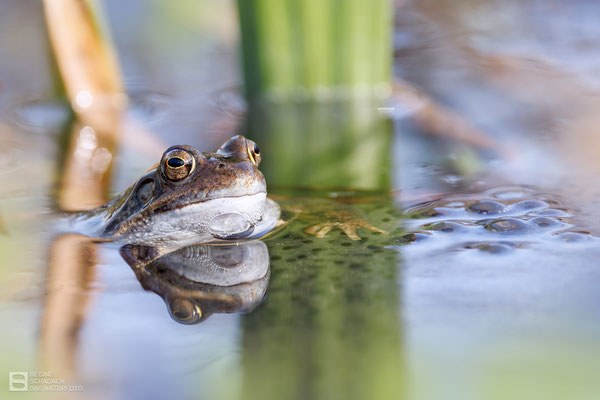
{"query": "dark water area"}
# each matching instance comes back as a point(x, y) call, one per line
point(475, 277)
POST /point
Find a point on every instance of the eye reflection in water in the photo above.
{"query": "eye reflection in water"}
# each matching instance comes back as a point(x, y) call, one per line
point(203, 279)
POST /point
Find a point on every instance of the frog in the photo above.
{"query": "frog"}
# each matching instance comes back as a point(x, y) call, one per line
point(194, 197)
point(189, 197)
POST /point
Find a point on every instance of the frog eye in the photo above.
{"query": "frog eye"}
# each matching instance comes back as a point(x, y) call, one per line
point(177, 164)
point(253, 151)
point(184, 311)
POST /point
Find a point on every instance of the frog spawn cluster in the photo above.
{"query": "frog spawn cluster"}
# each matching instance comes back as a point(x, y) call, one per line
point(494, 222)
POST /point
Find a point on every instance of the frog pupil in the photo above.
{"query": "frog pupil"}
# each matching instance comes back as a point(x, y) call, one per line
point(175, 162)
point(256, 149)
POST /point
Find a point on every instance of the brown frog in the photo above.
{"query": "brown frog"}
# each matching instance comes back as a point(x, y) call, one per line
point(190, 197)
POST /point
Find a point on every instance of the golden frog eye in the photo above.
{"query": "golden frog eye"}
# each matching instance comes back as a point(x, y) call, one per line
point(253, 151)
point(177, 164)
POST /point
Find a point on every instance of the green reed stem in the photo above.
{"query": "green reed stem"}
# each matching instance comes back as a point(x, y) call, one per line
point(315, 48)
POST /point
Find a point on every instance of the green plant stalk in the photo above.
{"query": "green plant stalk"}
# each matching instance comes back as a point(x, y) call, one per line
point(315, 48)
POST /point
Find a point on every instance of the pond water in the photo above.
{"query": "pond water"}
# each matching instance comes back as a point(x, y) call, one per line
point(476, 277)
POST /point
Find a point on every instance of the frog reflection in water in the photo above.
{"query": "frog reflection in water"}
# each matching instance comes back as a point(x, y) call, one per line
point(200, 280)
point(192, 197)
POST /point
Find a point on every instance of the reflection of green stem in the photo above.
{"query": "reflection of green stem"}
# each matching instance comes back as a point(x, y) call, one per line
point(343, 144)
point(315, 47)
point(330, 326)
